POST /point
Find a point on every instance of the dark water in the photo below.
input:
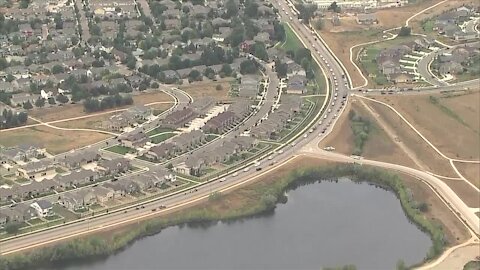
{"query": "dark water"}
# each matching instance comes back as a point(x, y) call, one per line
point(322, 224)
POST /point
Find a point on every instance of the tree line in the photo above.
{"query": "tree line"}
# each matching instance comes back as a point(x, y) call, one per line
point(108, 102)
point(10, 118)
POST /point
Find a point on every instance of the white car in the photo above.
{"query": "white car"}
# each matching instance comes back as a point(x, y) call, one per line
point(235, 174)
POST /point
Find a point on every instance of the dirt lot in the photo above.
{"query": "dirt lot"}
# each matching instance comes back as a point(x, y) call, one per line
point(208, 88)
point(464, 191)
point(458, 134)
point(379, 145)
point(56, 141)
point(147, 98)
point(93, 122)
point(470, 171)
point(418, 149)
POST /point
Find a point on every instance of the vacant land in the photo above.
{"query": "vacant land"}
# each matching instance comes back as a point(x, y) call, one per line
point(94, 122)
point(470, 171)
point(56, 141)
point(209, 89)
point(464, 191)
point(147, 98)
point(76, 110)
point(378, 146)
point(420, 151)
point(450, 123)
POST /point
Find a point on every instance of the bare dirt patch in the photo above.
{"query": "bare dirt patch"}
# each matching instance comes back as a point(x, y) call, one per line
point(470, 196)
point(451, 132)
point(470, 171)
point(209, 89)
point(342, 136)
point(379, 145)
point(423, 153)
point(56, 141)
point(146, 98)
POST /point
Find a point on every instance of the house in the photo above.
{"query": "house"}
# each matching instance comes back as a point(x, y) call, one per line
point(178, 118)
point(76, 159)
point(22, 152)
point(297, 84)
point(219, 123)
point(114, 166)
point(367, 18)
point(21, 98)
point(451, 67)
point(240, 108)
point(103, 194)
point(78, 200)
point(35, 170)
point(186, 141)
point(19, 213)
point(134, 140)
point(160, 151)
point(77, 178)
point(203, 105)
point(43, 208)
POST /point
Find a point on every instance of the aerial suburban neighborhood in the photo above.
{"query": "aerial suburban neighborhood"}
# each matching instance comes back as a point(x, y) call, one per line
point(123, 112)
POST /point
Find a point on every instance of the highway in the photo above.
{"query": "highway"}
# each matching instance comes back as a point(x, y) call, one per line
point(304, 142)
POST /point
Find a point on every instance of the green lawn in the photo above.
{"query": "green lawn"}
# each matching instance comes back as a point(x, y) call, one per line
point(159, 130)
point(162, 137)
point(291, 41)
point(122, 150)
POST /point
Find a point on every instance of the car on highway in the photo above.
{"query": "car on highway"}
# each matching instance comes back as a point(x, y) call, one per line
point(235, 174)
point(246, 169)
point(305, 136)
point(280, 151)
point(222, 179)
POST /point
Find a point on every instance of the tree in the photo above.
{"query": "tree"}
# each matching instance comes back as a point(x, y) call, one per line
point(306, 12)
point(154, 85)
point(232, 8)
point(40, 102)
point(248, 67)
point(219, 87)
point(12, 228)
point(401, 265)
point(51, 101)
point(281, 68)
point(319, 24)
point(259, 50)
point(62, 99)
point(405, 31)
point(209, 73)
point(334, 7)
point(170, 166)
point(27, 105)
point(194, 75)
point(57, 69)
point(131, 61)
point(226, 70)
point(251, 9)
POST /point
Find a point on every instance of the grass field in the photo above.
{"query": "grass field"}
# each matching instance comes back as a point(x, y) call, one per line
point(161, 137)
point(458, 134)
point(291, 41)
point(122, 150)
point(158, 130)
point(56, 141)
point(209, 89)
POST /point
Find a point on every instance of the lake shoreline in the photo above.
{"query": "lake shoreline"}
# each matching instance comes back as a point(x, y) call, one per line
point(266, 198)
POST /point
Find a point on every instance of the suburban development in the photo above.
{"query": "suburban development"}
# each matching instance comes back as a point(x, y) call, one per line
point(114, 113)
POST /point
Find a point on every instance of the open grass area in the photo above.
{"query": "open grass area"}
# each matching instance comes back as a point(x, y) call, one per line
point(291, 41)
point(158, 130)
point(161, 137)
point(209, 89)
point(122, 150)
point(56, 141)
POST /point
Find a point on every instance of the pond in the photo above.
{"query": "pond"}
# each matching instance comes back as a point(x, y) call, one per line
point(322, 224)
